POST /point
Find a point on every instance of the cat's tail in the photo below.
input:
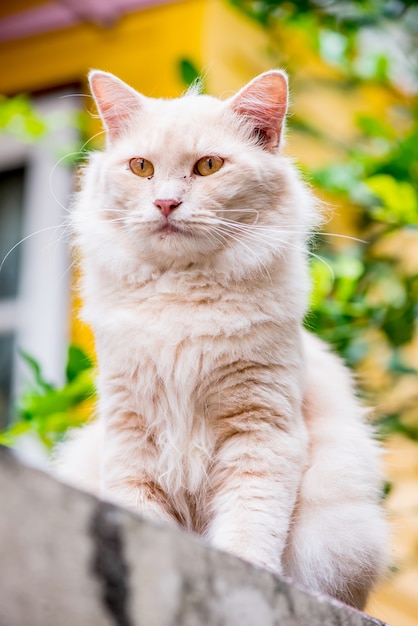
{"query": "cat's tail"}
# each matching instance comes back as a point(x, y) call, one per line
point(339, 532)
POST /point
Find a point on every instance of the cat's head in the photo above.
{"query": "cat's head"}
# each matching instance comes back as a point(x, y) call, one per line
point(193, 180)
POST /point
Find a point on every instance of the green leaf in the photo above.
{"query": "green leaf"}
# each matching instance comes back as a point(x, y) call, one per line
point(78, 361)
point(347, 278)
point(18, 117)
point(393, 424)
point(81, 388)
point(36, 371)
point(399, 201)
point(341, 177)
point(8, 437)
point(188, 72)
point(47, 411)
point(322, 281)
point(399, 324)
point(374, 127)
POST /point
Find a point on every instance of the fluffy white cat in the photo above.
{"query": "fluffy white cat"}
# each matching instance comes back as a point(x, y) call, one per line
point(217, 412)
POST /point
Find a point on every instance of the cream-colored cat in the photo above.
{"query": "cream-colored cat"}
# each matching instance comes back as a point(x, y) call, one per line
point(217, 412)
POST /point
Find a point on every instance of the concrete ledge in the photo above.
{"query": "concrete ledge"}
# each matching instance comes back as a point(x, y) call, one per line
point(68, 559)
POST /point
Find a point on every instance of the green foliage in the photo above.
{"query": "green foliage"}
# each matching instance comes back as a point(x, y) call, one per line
point(392, 424)
point(381, 186)
point(190, 74)
point(382, 300)
point(348, 15)
point(364, 295)
point(18, 117)
point(334, 27)
point(396, 201)
point(188, 71)
point(46, 411)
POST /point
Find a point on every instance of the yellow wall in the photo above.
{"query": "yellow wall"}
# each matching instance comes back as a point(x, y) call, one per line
point(142, 48)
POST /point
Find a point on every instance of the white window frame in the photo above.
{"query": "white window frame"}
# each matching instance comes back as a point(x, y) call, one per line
point(39, 315)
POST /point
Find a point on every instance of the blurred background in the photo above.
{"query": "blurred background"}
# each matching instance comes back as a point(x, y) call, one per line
point(353, 131)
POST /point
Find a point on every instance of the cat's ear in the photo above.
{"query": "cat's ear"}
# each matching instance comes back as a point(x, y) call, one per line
point(116, 102)
point(263, 103)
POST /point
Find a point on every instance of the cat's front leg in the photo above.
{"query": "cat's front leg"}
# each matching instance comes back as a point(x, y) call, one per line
point(129, 468)
point(254, 483)
point(140, 493)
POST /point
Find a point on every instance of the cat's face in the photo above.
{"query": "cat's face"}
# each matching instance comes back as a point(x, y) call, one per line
point(185, 180)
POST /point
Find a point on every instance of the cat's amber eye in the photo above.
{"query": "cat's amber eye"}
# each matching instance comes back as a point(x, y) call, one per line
point(208, 165)
point(141, 167)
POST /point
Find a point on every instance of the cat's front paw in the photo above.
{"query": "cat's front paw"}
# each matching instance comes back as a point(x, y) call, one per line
point(138, 500)
point(256, 555)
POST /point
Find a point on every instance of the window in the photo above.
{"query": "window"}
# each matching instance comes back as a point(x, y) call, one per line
point(11, 218)
point(35, 277)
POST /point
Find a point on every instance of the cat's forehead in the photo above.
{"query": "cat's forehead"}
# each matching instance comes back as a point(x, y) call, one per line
point(189, 107)
point(191, 122)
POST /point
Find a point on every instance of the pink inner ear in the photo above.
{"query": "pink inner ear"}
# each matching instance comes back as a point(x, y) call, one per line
point(264, 103)
point(116, 101)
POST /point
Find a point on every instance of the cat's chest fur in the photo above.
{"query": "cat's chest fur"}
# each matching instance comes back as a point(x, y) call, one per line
point(170, 341)
point(186, 321)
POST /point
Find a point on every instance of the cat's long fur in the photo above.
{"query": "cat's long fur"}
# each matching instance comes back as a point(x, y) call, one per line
point(217, 412)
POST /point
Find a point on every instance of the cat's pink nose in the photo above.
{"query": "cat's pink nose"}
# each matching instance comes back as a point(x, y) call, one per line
point(166, 206)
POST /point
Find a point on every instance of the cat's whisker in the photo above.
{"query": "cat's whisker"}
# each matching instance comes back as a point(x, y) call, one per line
point(56, 236)
point(75, 95)
point(117, 220)
point(52, 172)
point(304, 232)
point(297, 247)
point(253, 211)
point(248, 230)
point(16, 245)
point(349, 237)
point(82, 152)
point(237, 210)
point(212, 236)
point(250, 250)
point(69, 268)
point(292, 231)
point(86, 143)
point(217, 237)
point(271, 237)
point(262, 233)
point(254, 226)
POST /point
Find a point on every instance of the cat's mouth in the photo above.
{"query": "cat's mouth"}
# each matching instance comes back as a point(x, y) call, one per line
point(168, 228)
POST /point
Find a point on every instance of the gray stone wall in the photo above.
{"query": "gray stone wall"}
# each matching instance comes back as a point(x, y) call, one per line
point(68, 559)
